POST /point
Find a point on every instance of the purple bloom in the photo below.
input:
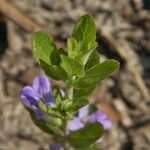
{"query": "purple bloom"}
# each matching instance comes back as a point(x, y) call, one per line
point(83, 112)
point(101, 118)
point(75, 124)
point(83, 118)
point(40, 90)
point(55, 147)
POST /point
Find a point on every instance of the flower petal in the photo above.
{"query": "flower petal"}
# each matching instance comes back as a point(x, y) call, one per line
point(107, 124)
point(48, 98)
point(63, 94)
point(100, 140)
point(55, 147)
point(101, 118)
point(83, 112)
point(41, 85)
point(39, 115)
point(75, 124)
point(26, 102)
point(28, 96)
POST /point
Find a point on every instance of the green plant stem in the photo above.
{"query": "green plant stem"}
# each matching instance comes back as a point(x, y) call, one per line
point(70, 93)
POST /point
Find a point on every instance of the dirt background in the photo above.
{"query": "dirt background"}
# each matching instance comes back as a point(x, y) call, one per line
point(123, 33)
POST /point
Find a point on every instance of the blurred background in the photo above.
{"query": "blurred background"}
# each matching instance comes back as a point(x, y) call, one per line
point(123, 33)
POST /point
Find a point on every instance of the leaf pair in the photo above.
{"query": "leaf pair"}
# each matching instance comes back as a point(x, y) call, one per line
point(48, 56)
point(93, 76)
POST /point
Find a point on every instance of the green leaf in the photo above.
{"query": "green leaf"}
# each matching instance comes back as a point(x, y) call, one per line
point(66, 104)
point(72, 67)
point(58, 95)
point(78, 103)
point(93, 60)
point(83, 39)
point(53, 71)
point(62, 51)
point(48, 126)
point(55, 56)
point(85, 32)
point(84, 92)
point(73, 47)
point(86, 136)
point(92, 108)
point(97, 74)
point(44, 47)
point(83, 57)
point(75, 104)
point(48, 110)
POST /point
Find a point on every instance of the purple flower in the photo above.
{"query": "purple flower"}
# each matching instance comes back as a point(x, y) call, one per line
point(101, 118)
point(83, 112)
point(75, 124)
point(40, 90)
point(83, 118)
point(55, 147)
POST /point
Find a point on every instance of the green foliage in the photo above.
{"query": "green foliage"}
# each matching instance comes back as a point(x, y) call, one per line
point(92, 61)
point(79, 103)
point(84, 92)
point(86, 136)
point(48, 110)
point(81, 59)
point(66, 104)
point(73, 47)
point(97, 74)
point(75, 104)
point(58, 96)
point(43, 47)
point(80, 69)
point(51, 126)
point(54, 71)
point(72, 67)
point(85, 33)
point(82, 41)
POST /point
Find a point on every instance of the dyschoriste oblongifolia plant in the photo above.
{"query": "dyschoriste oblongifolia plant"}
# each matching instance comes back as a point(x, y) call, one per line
point(67, 115)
